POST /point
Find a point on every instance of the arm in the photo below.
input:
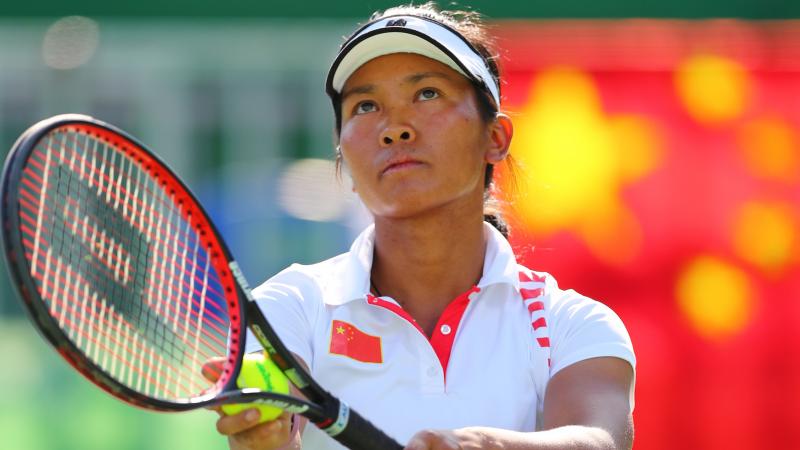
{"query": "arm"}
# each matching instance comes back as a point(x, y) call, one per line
point(587, 406)
point(591, 402)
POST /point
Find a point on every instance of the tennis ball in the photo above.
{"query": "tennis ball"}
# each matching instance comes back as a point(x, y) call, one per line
point(258, 371)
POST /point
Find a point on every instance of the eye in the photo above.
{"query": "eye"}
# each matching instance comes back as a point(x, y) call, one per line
point(365, 107)
point(427, 94)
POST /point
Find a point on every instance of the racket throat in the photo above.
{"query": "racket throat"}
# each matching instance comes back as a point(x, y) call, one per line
point(332, 427)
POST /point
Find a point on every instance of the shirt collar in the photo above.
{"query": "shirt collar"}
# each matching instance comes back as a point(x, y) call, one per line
point(500, 263)
point(353, 280)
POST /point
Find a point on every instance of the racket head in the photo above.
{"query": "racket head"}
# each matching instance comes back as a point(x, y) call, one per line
point(69, 244)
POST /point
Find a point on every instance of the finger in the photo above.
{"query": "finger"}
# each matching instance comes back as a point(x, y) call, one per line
point(239, 422)
point(212, 368)
point(419, 441)
point(432, 440)
point(272, 434)
point(247, 419)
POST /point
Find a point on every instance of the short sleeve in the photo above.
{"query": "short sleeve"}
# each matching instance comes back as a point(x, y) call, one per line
point(582, 328)
point(290, 301)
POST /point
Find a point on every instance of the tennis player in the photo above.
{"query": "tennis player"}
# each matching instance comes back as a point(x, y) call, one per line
point(428, 326)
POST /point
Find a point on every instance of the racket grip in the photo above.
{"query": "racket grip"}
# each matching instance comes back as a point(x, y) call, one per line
point(361, 434)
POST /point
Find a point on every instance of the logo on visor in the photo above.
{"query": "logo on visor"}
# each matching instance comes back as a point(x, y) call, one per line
point(396, 23)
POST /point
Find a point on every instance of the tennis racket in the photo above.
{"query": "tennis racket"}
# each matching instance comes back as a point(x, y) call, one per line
point(123, 272)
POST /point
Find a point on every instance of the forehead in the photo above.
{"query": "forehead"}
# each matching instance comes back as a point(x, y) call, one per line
point(399, 67)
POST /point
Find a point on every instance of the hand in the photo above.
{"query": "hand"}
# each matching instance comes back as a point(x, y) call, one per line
point(245, 433)
point(460, 439)
point(242, 429)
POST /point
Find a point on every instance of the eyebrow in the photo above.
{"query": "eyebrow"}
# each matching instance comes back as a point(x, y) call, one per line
point(417, 77)
point(411, 79)
point(363, 89)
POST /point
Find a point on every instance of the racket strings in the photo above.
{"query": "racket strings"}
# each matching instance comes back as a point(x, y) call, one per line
point(105, 184)
point(64, 179)
point(122, 266)
point(160, 249)
point(104, 335)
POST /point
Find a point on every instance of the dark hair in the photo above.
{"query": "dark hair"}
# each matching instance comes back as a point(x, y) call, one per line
point(471, 26)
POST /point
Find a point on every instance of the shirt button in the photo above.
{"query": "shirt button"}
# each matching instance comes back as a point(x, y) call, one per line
point(432, 371)
point(445, 329)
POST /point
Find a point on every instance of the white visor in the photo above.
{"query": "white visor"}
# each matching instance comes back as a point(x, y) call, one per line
point(410, 34)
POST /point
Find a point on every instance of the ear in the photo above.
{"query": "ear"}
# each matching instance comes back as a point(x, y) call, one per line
point(342, 165)
point(501, 130)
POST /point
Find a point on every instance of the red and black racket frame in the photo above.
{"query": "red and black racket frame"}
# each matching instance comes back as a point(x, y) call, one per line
point(323, 409)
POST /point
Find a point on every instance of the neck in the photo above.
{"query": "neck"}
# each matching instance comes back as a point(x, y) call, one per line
point(425, 263)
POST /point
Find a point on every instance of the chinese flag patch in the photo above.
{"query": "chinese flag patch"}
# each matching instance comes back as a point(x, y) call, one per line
point(347, 340)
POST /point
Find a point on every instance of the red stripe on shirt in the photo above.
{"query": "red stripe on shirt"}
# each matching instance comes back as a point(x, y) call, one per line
point(536, 306)
point(538, 323)
point(530, 293)
point(532, 277)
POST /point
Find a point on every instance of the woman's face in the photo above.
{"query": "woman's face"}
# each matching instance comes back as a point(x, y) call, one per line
point(412, 136)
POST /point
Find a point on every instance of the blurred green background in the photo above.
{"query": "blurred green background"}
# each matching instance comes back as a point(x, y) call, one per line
point(498, 9)
point(231, 95)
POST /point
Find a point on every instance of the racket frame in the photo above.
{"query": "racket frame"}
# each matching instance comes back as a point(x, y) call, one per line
point(325, 410)
point(35, 306)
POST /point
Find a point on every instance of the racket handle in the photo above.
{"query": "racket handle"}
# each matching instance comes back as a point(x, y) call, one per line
point(361, 434)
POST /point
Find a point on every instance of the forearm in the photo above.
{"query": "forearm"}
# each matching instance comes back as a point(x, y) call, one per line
point(571, 437)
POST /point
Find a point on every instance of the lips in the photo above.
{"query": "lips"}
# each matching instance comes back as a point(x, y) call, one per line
point(400, 163)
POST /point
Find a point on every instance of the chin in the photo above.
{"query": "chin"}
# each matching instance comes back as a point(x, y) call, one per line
point(412, 208)
point(406, 209)
point(417, 201)
point(399, 212)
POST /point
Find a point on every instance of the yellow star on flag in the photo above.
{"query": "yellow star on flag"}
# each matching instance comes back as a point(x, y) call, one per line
point(576, 160)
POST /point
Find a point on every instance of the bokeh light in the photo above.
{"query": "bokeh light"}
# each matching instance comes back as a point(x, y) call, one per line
point(765, 235)
point(770, 148)
point(715, 296)
point(70, 42)
point(576, 159)
point(309, 190)
point(713, 89)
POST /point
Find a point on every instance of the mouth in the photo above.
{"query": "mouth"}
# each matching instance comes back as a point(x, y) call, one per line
point(399, 164)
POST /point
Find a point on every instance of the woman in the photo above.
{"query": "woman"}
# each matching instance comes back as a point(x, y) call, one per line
point(428, 326)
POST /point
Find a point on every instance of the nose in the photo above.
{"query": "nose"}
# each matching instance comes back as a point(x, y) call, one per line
point(397, 134)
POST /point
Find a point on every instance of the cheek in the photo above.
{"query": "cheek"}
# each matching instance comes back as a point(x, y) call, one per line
point(357, 134)
point(462, 132)
point(462, 115)
point(357, 158)
point(346, 136)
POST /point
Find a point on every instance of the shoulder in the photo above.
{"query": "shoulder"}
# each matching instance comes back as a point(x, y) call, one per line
point(577, 327)
point(334, 281)
point(304, 281)
point(566, 304)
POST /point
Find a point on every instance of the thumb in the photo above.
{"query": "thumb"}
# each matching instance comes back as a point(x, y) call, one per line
point(420, 441)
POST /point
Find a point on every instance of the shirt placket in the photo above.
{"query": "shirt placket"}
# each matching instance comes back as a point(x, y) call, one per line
point(435, 352)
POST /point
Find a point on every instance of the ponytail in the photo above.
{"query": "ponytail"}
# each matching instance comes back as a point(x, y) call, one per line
point(491, 208)
point(496, 220)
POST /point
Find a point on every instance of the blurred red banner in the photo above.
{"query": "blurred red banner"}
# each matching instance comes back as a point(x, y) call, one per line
point(660, 174)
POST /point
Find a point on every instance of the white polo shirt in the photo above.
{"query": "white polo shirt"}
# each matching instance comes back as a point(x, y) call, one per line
point(487, 364)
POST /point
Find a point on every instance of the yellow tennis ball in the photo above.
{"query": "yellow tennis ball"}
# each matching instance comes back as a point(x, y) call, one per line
point(258, 371)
